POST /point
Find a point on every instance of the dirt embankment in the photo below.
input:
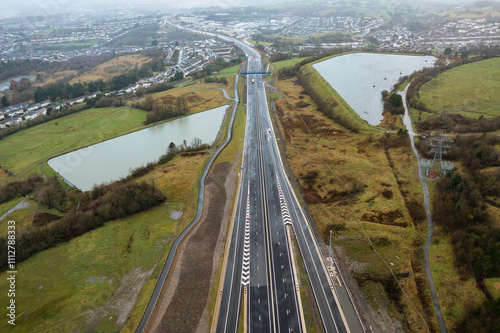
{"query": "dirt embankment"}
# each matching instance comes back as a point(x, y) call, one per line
point(183, 306)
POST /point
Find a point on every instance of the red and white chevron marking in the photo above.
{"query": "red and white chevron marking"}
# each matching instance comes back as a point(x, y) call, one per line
point(284, 207)
point(245, 271)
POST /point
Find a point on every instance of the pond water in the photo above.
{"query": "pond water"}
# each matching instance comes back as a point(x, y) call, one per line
point(113, 159)
point(360, 78)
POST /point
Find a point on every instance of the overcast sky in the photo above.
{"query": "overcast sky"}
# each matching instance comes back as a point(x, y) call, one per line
point(10, 8)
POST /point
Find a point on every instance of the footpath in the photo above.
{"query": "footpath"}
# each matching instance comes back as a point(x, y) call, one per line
point(408, 123)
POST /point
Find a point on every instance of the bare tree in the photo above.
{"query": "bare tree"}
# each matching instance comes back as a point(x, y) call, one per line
point(50, 193)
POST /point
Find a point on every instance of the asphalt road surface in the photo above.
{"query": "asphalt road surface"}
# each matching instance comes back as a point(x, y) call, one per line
point(272, 300)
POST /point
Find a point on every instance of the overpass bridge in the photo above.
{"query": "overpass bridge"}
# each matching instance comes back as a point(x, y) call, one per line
point(247, 73)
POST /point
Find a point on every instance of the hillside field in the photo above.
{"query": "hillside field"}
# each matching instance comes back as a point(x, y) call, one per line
point(116, 66)
point(470, 90)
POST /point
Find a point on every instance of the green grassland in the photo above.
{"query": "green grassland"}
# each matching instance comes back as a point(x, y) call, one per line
point(455, 293)
point(60, 296)
point(55, 292)
point(285, 63)
point(470, 90)
point(24, 217)
point(227, 72)
point(23, 151)
point(92, 281)
point(8, 205)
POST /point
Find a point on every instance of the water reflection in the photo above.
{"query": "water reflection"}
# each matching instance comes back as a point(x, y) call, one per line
point(111, 160)
point(360, 78)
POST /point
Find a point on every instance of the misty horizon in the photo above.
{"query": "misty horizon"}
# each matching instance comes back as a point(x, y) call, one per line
point(24, 8)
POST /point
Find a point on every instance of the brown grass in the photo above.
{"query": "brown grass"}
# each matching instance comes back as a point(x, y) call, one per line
point(53, 78)
point(201, 97)
point(113, 67)
point(377, 183)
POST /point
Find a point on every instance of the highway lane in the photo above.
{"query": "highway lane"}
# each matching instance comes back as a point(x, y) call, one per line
point(285, 297)
point(282, 305)
point(260, 304)
point(272, 305)
point(320, 282)
point(259, 314)
point(272, 299)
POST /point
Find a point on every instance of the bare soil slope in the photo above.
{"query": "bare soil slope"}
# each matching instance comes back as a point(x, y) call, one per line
point(182, 307)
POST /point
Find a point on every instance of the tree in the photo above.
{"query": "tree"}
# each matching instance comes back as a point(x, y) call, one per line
point(177, 76)
point(40, 95)
point(447, 51)
point(5, 102)
point(172, 148)
point(464, 55)
point(396, 101)
point(196, 143)
point(402, 133)
point(154, 43)
point(50, 193)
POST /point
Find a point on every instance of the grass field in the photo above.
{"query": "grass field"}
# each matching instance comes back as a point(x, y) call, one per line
point(227, 72)
point(8, 205)
point(23, 151)
point(236, 144)
point(455, 294)
point(59, 296)
point(77, 291)
point(285, 63)
point(471, 90)
point(116, 66)
point(200, 96)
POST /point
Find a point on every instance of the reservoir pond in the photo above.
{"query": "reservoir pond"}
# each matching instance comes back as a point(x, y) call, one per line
point(113, 159)
point(360, 78)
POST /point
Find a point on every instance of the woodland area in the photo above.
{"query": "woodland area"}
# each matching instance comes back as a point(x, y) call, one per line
point(460, 208)
point(62, 89)
point(104, 203)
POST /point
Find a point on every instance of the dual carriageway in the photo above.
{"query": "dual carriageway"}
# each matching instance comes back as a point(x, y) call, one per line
point(260, 274)
point(269, 212)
